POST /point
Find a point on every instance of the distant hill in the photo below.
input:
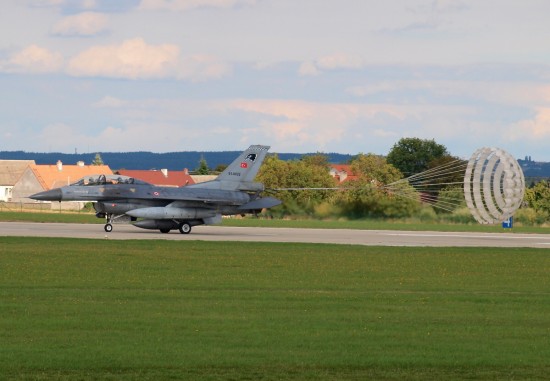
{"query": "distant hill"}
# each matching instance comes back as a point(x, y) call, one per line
point(534, 171)
point(174, 161)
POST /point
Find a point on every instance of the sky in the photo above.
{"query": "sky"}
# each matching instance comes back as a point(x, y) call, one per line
point(346, 76)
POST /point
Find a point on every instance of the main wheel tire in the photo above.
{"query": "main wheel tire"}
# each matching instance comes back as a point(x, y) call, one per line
point(108, 228)
point(164, 231)
point(185, 228)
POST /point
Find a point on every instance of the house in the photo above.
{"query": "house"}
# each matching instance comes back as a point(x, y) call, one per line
point(39, 178)
point(161, 178)
point(10, 172)
point(342, 173)
point(203, 178)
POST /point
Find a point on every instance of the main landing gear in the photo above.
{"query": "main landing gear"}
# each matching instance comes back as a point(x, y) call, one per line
point(185, 228)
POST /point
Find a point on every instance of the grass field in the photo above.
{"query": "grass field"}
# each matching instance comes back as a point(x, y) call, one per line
point(154, 310)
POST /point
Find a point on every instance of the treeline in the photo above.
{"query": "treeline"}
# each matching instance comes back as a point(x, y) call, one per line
point(364, 197)
point(369, 196)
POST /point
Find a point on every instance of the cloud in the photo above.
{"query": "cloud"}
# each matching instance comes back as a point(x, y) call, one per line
point(33, 59)
point(109, 102)
point(200, 67)
point(424, 18)
point(295, 125)
point(89, 4)
point(449, 5)
point(506, 93)
point(46, 3)
point(132, 59)
point(135, 59)
point(331, 62)
point(82, 24)
point(340, 61)
point(107, 138)
point(292, 125)
point(534, 129)
point(186, 5)
point(308, 68)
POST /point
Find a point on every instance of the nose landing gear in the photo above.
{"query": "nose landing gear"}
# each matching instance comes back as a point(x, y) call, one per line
point(109, 224)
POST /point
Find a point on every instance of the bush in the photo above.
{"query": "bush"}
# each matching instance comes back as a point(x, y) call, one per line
point(427, 214)
point(531, 217)
point(526, 216)
point(327, 210)
point(461, 216)
point(542, 217)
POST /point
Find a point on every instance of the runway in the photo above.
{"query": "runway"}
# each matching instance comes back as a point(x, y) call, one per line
point(335, 236)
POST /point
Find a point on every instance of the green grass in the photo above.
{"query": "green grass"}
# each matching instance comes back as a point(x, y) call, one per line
point(64, 217)
point(150, 310)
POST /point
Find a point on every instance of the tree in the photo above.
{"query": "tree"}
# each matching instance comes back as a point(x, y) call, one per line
point(203, 167)
point(303, 173)
point(452, 170)
point(414, 155)
point(220, 168)
point(367, 197)
point(538, 197)
point(97, 160)
point(374, 167)
point(318, 159)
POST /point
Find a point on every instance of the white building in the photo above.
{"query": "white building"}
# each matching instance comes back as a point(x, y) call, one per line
point(10, 172)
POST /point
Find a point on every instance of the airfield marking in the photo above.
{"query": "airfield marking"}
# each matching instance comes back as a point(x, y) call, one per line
point(229, 233)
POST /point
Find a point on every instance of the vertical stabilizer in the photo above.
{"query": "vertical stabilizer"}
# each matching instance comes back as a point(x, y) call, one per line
point(240, 174)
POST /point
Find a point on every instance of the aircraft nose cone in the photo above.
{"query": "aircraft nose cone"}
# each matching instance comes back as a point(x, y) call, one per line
point(50, 195)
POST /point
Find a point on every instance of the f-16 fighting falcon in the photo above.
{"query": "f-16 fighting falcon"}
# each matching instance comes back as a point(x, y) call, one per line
point(148, 206)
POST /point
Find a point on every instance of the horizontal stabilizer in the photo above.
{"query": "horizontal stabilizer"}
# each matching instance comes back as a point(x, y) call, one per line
point(261, 203)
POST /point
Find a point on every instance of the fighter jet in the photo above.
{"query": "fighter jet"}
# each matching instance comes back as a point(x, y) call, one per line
point(147, 206)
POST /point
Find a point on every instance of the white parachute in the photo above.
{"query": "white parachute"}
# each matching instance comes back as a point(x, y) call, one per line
point(494, 185)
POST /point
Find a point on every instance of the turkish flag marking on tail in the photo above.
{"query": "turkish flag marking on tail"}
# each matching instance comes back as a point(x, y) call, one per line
point(244, 165)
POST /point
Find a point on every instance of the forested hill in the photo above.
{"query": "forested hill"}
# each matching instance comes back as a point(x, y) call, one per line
point(175, 161)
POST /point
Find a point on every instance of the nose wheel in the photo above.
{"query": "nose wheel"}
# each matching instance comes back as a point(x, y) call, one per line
point(109, 223)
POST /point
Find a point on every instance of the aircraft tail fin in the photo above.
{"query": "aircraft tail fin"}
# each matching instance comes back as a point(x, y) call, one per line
point(240, 174)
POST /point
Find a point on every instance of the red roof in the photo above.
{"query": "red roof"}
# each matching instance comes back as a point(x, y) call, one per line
point(162, 177)
point(342, 173)
point(54, 176)
point(343, 168)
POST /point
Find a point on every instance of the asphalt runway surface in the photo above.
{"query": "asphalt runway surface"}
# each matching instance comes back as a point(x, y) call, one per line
point(336, 236)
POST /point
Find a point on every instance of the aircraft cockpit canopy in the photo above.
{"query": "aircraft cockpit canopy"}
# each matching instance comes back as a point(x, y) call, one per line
point(107, 179)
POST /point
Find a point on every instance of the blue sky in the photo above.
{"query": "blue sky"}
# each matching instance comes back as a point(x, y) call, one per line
point(344, 76)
